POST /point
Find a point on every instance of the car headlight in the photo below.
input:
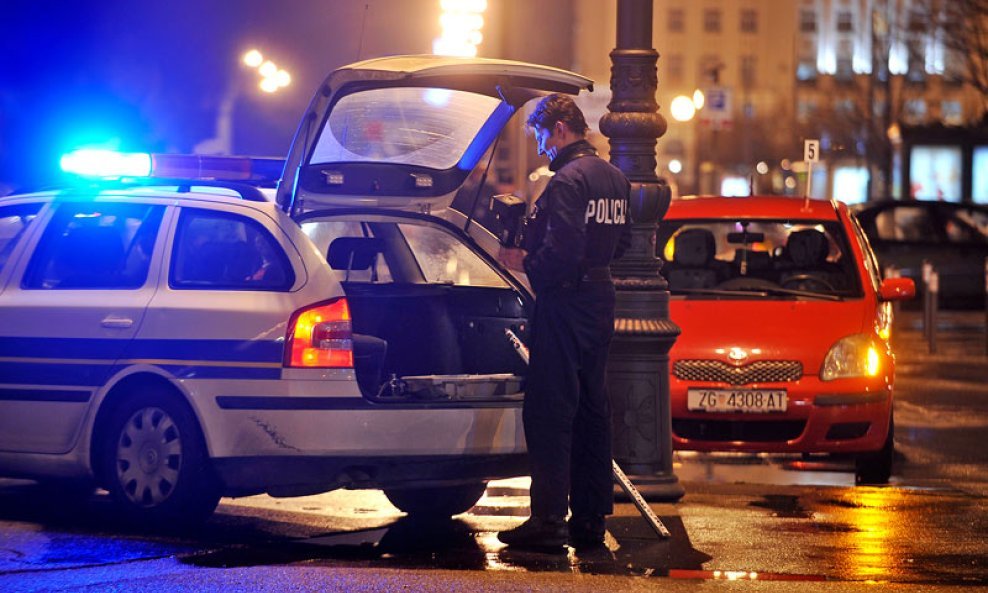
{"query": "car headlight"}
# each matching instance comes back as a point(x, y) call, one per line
point(853, 356)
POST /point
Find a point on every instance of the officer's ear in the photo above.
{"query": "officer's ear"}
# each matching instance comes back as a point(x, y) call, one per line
point(559, 129)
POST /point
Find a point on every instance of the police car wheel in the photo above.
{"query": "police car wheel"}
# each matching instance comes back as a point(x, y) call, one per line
point(155, 462)
point(436, 501)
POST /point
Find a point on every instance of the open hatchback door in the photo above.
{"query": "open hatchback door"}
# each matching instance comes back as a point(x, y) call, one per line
point(404, 132)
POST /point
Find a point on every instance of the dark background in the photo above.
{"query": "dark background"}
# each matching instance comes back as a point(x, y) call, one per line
point(150, 75)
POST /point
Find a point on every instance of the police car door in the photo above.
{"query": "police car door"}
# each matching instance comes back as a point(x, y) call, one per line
point(72, 303)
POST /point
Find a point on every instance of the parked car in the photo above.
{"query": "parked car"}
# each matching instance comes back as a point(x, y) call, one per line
point(179, 341)
point(785, 330)
point(952, 237)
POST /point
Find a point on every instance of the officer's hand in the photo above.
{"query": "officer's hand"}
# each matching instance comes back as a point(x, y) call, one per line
point(512, 258)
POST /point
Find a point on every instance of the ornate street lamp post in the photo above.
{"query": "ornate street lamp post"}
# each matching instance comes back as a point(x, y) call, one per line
point(638, 369)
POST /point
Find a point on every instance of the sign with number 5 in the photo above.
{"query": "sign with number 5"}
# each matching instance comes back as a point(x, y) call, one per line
point(811, 151)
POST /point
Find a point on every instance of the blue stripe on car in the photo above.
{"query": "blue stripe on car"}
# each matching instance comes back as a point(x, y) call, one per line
point(45, 395)
point(96, 348)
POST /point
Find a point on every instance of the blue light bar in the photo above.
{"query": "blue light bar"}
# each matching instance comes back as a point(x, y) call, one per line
point(91, 162)
point(104, 164)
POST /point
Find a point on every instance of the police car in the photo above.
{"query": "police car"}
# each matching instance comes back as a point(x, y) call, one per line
point(176, 341)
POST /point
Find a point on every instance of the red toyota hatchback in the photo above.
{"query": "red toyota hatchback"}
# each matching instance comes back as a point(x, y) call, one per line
point(785, 330)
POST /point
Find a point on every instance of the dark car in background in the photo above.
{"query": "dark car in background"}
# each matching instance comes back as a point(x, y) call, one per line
point(953, 237)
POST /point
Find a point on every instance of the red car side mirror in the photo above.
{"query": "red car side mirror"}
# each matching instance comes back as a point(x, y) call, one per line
point(897, 289)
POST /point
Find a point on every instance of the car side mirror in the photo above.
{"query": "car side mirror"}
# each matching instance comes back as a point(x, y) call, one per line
point(897, 289)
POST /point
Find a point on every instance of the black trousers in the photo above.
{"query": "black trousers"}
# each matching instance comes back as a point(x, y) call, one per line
point(566, 412)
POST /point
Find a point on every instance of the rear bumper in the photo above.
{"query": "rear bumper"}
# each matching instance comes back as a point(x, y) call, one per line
point(301, 475)
point(853, 421)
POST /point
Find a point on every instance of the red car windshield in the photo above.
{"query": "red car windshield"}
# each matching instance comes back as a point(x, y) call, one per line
point(770, 258)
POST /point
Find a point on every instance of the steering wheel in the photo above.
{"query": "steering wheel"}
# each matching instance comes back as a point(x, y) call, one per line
point(810, 279)
point(746, 282)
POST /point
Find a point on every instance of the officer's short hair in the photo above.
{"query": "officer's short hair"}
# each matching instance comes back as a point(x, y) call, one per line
point(553, 108)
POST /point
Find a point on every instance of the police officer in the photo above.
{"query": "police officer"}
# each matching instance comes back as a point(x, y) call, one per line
point(580, 223)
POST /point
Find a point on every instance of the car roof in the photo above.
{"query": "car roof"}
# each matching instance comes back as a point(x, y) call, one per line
point(698, 207)
point(179, 190)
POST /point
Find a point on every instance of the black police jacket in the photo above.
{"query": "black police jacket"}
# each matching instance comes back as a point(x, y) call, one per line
point(580, 222)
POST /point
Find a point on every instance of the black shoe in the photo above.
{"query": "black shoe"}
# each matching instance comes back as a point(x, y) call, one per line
point(537, 533)
point(587, 532)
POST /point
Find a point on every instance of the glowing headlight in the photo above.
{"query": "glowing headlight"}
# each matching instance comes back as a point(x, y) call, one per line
point(853, 356)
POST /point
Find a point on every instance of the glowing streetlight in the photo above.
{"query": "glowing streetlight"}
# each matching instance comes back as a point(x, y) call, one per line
point(461, 23)
point(272, 79)
point(682, 108)
point(253, 58)
point(698, 99)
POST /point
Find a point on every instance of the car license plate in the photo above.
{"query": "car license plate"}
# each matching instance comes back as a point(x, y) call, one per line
point(759, 401)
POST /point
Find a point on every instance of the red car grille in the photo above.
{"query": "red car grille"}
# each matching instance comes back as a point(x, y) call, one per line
point(716, 371)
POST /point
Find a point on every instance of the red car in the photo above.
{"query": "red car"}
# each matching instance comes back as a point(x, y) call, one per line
point(785, 330)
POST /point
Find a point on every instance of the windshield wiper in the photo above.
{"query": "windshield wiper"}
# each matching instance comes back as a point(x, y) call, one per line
point(758, 292)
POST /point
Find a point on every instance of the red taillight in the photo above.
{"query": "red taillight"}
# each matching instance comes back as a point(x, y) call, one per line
point(321, 336)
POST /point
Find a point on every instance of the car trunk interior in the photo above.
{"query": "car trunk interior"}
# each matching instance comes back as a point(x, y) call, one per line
point(436, 342)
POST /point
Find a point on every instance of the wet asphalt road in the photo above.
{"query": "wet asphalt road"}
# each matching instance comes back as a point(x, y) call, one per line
point(747, 522)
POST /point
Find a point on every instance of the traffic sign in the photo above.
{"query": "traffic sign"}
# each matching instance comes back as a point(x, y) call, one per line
point(717, 111)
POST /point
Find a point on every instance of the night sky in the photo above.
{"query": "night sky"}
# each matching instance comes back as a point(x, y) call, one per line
point(150, 75)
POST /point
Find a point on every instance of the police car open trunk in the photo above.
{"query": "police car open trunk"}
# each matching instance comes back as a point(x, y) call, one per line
point(380, 154)
point(427, 309)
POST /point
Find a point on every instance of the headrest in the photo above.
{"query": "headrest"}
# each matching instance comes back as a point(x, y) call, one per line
point(807, 247)
point(353, 253)
point(694, 247)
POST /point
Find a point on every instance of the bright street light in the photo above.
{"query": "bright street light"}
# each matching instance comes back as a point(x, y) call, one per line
point(253, 58)
point(682, 108)
point(698, 99)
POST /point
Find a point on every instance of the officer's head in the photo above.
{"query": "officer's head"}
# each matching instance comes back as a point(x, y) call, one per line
point(557, 122)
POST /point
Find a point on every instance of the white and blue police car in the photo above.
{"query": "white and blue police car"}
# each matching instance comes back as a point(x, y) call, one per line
point(179, 340)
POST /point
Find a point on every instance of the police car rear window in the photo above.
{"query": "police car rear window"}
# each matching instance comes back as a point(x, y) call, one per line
point(221, 251)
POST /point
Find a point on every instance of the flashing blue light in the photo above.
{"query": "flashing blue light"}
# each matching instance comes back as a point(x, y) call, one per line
point(91, 162)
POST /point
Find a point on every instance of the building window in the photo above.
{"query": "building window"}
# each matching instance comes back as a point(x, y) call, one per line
point(710, 66)
point(749, 69)
point(953, 114)
point(711, 20)
point(845, 22)
point(749, 21)
point(674, 68)
point(914, 111)
point(677, 20)
point(845, 107)
point(845, 61)
point(807, 21)
point(806, 69)
point(806, 109)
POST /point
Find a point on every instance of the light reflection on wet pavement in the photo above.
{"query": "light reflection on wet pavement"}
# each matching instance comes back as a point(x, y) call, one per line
point(719, 532)
point(744, 517)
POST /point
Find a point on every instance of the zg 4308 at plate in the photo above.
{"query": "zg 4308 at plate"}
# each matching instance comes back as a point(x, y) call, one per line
point(758, 401)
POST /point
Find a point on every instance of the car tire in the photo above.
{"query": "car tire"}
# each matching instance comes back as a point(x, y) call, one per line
point(437, 501)
point(876, 467)
point(154, 462)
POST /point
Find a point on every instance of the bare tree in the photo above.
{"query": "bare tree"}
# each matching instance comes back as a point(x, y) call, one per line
point(962, 27)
